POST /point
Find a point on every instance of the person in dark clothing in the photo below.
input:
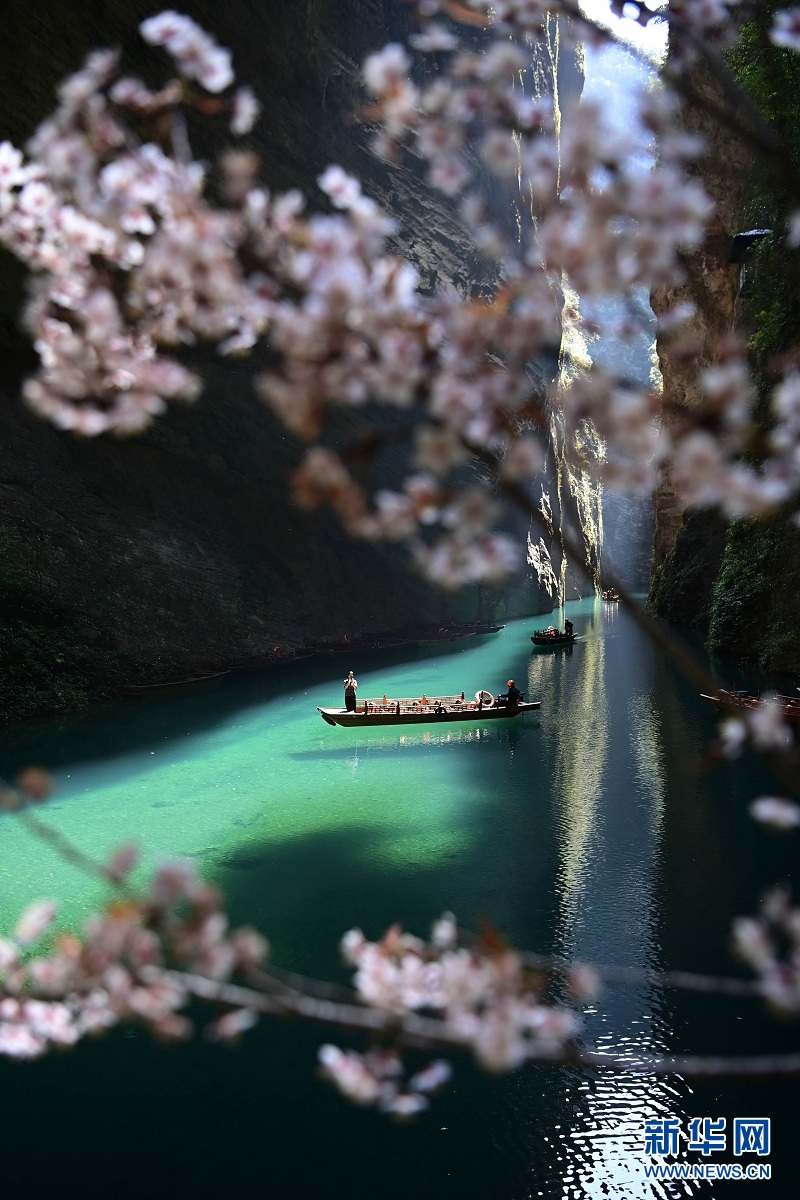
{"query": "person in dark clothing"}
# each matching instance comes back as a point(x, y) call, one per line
point(568, 628)
point(350, 687)
point(513, 695)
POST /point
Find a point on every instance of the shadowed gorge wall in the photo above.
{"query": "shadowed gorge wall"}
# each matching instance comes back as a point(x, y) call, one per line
point(738, 580)
point(182, 547)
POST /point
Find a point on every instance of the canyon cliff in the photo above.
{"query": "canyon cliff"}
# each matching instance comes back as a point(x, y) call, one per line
point(182, 548)
point(736, 581)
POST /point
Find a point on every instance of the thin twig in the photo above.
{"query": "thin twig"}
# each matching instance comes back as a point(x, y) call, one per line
point(65, 848)
point(636, 976)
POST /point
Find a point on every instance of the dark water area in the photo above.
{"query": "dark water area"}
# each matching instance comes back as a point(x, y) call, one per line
point(590, 830)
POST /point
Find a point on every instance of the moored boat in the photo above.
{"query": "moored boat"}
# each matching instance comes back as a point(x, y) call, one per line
point(156, 689)
point(476, 627)
point(446, 635)
point(412, 711)
point(725, 701)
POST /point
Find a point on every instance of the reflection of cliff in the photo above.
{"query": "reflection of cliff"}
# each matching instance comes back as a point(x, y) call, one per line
point(183, 546)
point(610, 787)
point(582, 748)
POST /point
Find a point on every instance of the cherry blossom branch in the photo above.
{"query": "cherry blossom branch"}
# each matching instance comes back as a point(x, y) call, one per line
point(431, 1034)
point(149, 954)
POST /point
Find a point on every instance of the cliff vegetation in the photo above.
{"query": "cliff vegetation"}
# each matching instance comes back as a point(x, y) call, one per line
point(739, 581)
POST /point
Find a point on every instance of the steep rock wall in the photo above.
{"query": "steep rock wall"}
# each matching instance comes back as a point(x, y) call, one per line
point(182, 548)
point(739, 581)
point(687, 546)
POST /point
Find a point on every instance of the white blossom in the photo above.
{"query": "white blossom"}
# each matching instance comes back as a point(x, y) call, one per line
point(775, 811)
point(786, 28)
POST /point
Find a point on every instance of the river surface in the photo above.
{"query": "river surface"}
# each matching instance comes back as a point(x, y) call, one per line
point(590, 830)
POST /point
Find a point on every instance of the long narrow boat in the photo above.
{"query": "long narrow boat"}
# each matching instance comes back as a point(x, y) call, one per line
point(543, 637)
point(447, 635)
point(725, 701)
point(157, 689)
point(436, 710)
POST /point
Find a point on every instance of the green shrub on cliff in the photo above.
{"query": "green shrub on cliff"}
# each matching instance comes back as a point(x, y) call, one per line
point(755, 607)
point(755, 596)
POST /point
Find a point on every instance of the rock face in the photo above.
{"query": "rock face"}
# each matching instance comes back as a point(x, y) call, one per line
point(182, 548)
point(687, 548)
point(738, 581)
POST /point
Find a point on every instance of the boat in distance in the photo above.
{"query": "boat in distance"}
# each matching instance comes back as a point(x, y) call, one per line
point(436, 710)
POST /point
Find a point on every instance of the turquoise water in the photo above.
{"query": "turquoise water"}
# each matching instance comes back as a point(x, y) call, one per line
point(589, 829)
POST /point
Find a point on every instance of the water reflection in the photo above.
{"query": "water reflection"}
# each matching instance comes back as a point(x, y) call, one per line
point(406, 743)
point(581, 722)
point(610, 789)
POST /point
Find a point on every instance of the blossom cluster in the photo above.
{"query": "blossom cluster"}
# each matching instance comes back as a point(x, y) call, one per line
point(125, 253)
point(129, 253)
point(55, 995)
point(763, 726)
point(151, 951)
point(770, 944)
point(489, 1002)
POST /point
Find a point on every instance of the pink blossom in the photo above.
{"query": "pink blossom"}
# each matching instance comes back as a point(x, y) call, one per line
point(12, 172)
point(766, 725)
point(246, 111)
point(35, 920)
point(449, 174)
point(498, 1043)
point(9, 957)
point(122, 861)
point(775, 811)
point(196, 54)
point(348, 1071)
point(432, 1077)
point(232, 1025)
point(386, 70)
point(786, 28)
point(18, 1041)
point(342, 188)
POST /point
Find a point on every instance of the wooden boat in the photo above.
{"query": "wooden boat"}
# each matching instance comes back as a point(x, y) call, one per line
point(725, 701)
point(610, 596)
point(446, 635)
point(546, 637)
point(476, 627)
point(437, 710)
point(156, 689)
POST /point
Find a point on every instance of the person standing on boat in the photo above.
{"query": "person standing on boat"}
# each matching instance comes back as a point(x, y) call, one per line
point(350, 689)
point(568, 627)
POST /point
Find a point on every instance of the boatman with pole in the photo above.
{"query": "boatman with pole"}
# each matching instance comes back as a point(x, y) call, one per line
point(350, 688)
